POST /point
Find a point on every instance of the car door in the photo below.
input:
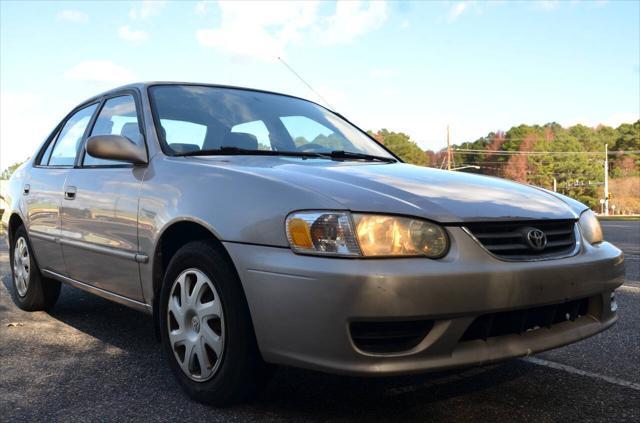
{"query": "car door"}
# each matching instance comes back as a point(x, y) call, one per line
point(100, 208)
point(44, 190)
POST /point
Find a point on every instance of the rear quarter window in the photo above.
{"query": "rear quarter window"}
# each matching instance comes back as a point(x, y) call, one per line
point(66, 146)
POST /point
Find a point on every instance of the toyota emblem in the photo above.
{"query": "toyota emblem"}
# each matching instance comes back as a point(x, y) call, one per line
point(536, 239)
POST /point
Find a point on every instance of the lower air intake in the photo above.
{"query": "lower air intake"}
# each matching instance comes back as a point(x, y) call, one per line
point(389, 337)
point(519, 321)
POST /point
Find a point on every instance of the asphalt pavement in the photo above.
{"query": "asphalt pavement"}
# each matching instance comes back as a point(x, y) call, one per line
point(92, 360)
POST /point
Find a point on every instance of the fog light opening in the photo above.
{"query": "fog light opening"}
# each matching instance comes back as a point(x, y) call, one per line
point(613, 303)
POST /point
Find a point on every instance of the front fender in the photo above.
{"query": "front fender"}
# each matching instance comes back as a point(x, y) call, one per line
point(234, 205)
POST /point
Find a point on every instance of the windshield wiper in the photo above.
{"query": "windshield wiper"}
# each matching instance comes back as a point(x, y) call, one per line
point(336, 154)
point(341, 154)
point(237, 151)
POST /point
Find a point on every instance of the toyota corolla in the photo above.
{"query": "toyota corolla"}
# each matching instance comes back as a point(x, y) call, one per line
point(259, 228)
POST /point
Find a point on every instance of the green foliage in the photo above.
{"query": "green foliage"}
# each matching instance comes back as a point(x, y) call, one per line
point(331, 142)
point(6, 174)
point(578, 175)
point(300, 141)
point(401, 145)
point(628, 137)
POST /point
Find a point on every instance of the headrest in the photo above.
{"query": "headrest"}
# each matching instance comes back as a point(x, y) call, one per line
point(102, 126)
point(241, 140)
point(131, 131)
point(183, 148)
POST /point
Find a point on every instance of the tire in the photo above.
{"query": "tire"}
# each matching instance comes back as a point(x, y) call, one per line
point(31, 290)
point(217, 371)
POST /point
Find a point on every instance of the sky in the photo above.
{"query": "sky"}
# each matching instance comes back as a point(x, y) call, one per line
point(414, 67)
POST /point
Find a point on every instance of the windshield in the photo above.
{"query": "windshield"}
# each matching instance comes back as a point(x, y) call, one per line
point(191, 119)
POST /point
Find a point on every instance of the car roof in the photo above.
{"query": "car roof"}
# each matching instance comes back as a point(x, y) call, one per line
point(142, 86)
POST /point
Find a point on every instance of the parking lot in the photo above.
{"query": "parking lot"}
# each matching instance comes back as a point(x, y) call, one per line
point(90, 359)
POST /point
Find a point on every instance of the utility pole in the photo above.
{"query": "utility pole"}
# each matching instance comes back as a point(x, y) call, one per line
point(448, 150)
point(606, 180)
point(555, 185)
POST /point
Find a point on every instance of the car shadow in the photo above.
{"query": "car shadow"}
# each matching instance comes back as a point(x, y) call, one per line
point(131, 356)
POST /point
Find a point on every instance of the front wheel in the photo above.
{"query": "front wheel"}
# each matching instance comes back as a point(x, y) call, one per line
point(32, 291)
point(206, 328)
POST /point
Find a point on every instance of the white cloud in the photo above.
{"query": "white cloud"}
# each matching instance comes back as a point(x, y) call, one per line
point(457, 10)
point(258, 29)
point(405, 24)
point(147, 9)
point(548, 4)
point(202, 7)
point(135, 36)
point(264, 29)
point(76, 16)
point(352, 19)
point(100, 71)
point(25, 124)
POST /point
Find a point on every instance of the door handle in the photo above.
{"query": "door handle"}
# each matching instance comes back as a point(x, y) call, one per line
point(70, 193)
point(25, 189)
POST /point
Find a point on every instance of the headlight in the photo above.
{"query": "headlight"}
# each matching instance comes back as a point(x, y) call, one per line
point(590, 227)
point(320, 232)
point(367, 235)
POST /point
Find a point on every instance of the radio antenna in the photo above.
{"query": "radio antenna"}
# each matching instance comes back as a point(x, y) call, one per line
point(305, 82)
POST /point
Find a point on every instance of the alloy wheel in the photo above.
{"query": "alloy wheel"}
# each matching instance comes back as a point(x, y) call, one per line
point(21, 266)
point(195, 321)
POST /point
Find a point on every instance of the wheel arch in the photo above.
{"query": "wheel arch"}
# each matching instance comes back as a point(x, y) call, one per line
point(15, 221)
point(174, 236)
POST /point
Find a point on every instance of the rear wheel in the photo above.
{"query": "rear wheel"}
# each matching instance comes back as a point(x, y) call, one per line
point(31, 291)
point(206, 328)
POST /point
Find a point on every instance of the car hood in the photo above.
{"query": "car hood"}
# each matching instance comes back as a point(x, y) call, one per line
point(399, 188)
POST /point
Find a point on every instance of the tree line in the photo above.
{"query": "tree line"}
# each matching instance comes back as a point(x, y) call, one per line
point(571, 159)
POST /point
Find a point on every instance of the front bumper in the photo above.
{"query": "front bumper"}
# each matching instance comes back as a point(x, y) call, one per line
point(302, 306)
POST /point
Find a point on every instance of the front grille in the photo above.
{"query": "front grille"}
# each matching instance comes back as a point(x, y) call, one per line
point(510, 239)
point(519, 321)
point(389, 337)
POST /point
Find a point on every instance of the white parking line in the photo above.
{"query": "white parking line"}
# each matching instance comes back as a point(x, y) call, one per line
point(573, 370)
point(400, 390)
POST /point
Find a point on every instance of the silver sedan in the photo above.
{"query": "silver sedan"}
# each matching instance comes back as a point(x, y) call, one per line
point(258, 229)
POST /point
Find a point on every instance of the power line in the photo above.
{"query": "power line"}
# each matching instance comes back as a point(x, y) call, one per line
point(535, 139)
point(503, 158)
point(542, 162)
point(507, 152)
point(482, 166)
point(490, 140)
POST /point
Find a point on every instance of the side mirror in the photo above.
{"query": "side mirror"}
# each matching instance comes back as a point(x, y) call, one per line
point(116, 147)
